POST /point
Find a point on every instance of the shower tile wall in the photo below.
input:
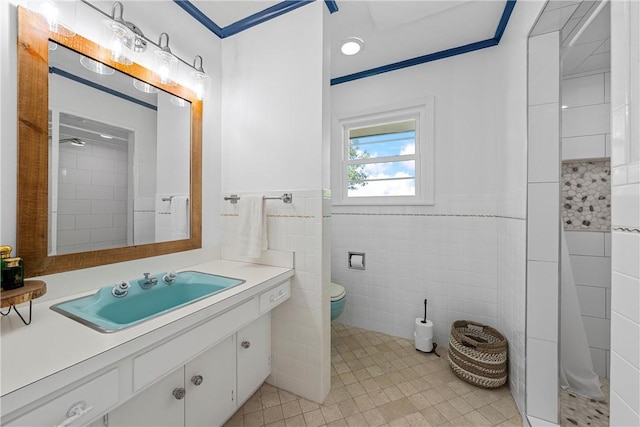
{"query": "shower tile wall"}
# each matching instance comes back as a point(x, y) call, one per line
point(625, 239)
point(92, 197)
point(543, 225)
point(590, 254)
point(512, 243)
point(586, 146)
point(446, 254)
point(301, 334)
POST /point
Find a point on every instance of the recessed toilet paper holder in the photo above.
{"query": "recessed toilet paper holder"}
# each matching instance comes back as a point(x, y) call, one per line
point(356, 260)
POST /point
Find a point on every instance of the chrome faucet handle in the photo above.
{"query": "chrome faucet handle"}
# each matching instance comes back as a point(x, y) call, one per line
point(170, 277)
point(120, 289)
point(147, 282)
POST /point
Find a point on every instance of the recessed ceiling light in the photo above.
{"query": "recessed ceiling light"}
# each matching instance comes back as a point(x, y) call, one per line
point(105, 136)
point(351, 46)
point(564, 107)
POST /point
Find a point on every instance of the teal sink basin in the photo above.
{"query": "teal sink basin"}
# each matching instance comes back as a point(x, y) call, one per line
point(110, 310)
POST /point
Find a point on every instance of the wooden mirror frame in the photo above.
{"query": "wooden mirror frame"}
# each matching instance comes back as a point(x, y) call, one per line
point(33, 154)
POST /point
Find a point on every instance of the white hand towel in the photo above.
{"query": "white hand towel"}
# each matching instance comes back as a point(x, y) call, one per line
point(179, 217)
point(253, 226)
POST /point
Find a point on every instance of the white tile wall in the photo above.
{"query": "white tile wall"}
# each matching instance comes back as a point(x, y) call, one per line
point(543, 226)
point(301, 336)
point(592, 301)
point(544, 155)
point(542, 288)
point(586, 90)
point(543, 221)
point(542, 383)
point(591, 270)
point(598, 332)
point(586, 243)
point(625, 244)
point(91, 198)
point(584, 147)
point(585, 116)
point(449, 260)
point(512, 298)
point(600, 362)
point(588, 120)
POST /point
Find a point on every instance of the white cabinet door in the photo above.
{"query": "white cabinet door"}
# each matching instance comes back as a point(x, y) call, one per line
point(155, 406)
point(254, 355)
point(210, 381)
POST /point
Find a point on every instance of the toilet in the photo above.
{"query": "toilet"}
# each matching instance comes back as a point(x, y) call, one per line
point(338, 299)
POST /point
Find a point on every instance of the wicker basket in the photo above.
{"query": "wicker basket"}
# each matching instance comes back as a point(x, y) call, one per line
point(478, 354)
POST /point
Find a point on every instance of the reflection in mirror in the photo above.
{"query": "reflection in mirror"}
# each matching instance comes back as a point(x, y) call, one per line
point(109, 157)
point(142, 188)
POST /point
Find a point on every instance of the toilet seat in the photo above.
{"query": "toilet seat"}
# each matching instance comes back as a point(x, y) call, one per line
point(337, 292)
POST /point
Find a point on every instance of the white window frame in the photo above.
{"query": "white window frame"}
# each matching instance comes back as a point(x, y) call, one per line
point(423, 112)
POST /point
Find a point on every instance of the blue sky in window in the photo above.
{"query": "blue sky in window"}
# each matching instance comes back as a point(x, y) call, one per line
point(383, 146)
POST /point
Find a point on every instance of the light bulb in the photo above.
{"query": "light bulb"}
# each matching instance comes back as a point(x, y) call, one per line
point(50, 11)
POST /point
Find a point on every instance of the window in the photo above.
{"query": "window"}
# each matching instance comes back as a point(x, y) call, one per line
point(387, 157)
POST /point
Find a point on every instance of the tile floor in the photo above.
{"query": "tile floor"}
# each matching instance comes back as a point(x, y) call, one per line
point(576, 410)
point(381, 380)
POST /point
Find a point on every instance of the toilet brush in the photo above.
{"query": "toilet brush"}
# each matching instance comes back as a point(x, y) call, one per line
point(425, 311)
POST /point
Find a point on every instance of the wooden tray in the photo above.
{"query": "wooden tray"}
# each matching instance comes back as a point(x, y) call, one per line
point(32, 289)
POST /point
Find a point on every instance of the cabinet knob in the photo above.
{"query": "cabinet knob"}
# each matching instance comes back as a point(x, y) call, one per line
point(245, 344)
point(179, 393)
point(197, 379)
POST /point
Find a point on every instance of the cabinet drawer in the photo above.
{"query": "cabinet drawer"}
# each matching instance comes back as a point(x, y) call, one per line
point(100, 394)
point(275, 296)
point(165, 358)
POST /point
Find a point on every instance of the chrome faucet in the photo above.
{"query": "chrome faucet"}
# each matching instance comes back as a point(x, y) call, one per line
point(147, 282)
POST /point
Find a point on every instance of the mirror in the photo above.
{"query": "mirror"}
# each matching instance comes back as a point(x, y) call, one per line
point(141, 197)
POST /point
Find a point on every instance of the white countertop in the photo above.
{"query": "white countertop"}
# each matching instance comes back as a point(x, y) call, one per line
point(53, 342)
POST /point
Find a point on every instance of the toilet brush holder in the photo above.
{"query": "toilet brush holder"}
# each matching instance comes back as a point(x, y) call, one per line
point(423, 335)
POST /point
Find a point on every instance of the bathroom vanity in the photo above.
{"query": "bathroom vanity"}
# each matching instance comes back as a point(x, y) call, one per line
point(192, 366)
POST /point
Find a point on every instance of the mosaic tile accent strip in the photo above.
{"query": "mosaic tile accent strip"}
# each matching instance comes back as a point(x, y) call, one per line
point(586, 195)
point(274, 216)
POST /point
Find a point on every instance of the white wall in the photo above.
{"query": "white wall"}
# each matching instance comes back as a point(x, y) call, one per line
point(466, 253)
point(446, 252)
point(625, 163)
point(512, 202)
point(189, 41)
point(543, 226)
point(586, 134)
point(590, 254)
point(272, 97)
point(586, 108)
point(274, 84)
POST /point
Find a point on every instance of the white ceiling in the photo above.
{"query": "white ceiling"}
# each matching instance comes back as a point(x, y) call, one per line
point(585, 32)
point(392, 30)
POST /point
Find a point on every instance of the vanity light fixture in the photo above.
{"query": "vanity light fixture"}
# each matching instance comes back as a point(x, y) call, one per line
point(351, 46)
point(166, 63)
point(96, 66)
point(201, 79)
point(50, 9)
point(125, 35)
